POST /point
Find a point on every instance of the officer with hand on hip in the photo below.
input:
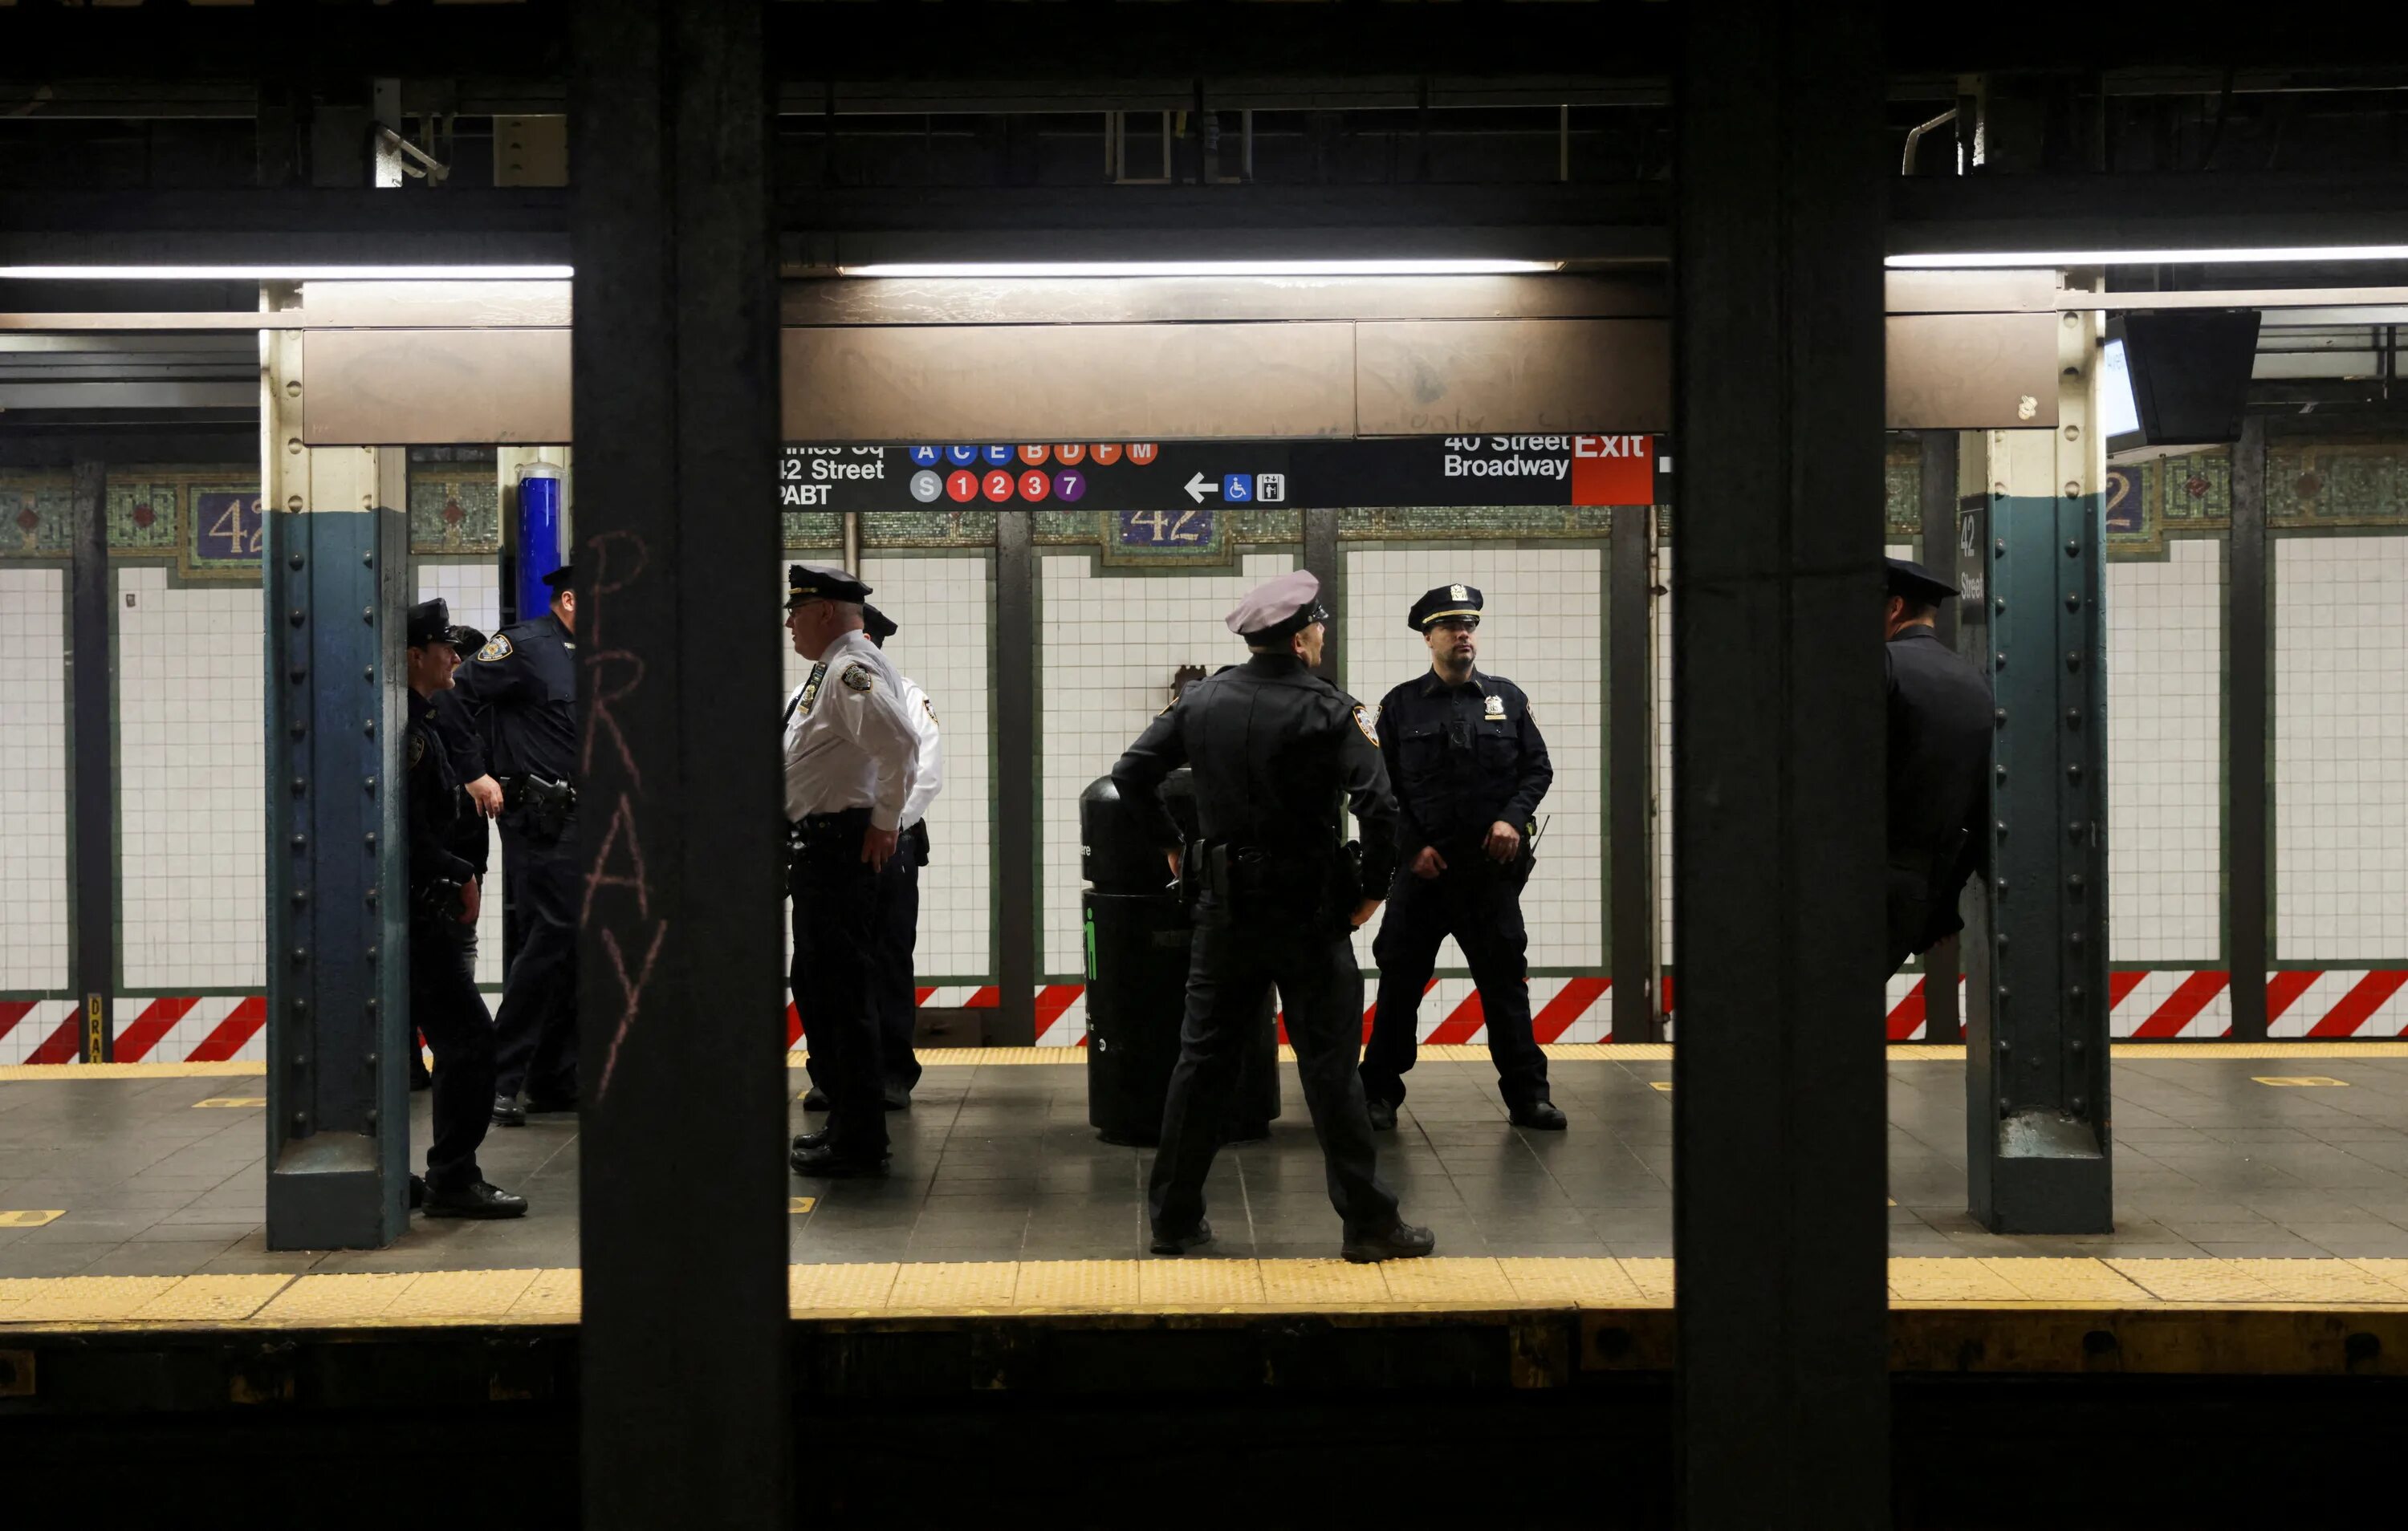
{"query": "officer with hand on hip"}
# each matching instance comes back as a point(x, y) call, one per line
point(1469, 767)
point(1940, 725)
point(522, 689)
point(445, 892)
point(852, 751)
point(896, 983)
point(1277, 899)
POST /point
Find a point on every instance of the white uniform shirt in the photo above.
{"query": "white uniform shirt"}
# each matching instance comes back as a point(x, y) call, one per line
point(851, 741)
point(929, 774)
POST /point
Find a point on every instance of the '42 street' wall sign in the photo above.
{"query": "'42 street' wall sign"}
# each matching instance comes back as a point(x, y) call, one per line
point(1204, 476)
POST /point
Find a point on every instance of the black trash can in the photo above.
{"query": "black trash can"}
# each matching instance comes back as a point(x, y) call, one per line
point(1137, 937)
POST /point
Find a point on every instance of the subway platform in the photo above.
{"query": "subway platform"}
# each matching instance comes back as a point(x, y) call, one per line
point(2261, 1241)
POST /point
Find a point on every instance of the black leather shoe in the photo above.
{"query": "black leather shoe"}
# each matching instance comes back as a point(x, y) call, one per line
point(479, 1200)
point(1401, 1241)
point(417, 1192)
point(1196, 1238)
point(815, 1099)
point(549, 1107)
point(1539, 1116)
point(830, 1163)
point(807, 1140)
point(1383, 1115)
point(507, 1112)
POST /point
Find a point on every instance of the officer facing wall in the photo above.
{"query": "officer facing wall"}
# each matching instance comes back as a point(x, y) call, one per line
point(1277, 901)
point(445, 894)
point(1463, 748)
point(1940, 725)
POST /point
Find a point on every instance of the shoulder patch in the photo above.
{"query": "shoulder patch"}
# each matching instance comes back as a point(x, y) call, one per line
point(417, 749)
point(497, 647)
point(1364, 724)
point(859, 677)
point(1529, 711)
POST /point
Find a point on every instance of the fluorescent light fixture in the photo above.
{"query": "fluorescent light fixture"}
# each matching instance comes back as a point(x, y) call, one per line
point(1199, 269)
point(2254, 255)
point(285, 272)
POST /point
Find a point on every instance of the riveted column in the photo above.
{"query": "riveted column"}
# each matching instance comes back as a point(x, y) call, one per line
point(2037, 1109)
point(334, 556)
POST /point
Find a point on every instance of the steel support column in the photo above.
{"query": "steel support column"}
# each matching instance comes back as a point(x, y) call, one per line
point(1938, 534)
point(1323, 559)
point(334, 562)
point(91, 676)
point(682, 1061)
point(1778, 1105)
point(1630, 775)
point(1018, 897)
point(2247, 709)
point(2036, 1100)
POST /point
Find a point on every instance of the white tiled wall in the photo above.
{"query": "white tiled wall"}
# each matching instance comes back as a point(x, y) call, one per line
point(1108, 643)
point(2341, 735)
point(2164, 748)
point(1542, 628)
point(192, 871)
point(941, 605)
point(33, 886)
point(473, 588)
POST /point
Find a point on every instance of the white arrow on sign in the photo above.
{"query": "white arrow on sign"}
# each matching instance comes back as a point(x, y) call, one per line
point(1200, 486)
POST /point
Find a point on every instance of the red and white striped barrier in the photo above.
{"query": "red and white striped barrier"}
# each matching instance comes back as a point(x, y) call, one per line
point(216, 1029)
point(2148, 1005)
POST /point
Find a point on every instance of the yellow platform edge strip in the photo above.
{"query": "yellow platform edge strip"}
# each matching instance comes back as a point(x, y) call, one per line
point(1006, 1057)
point(1192, 1286)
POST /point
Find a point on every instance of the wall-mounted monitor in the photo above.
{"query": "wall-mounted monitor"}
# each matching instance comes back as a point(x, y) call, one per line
point(2176, 378)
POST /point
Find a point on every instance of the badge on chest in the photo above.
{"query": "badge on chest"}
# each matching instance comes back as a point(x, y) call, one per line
point(1496, 709)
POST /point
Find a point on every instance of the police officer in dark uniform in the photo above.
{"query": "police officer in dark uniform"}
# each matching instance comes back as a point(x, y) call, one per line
point(1940, 720)
point(469, 838)
point(1277, 901)
point(521, 686)
point(444, 896)
point(1469, 767)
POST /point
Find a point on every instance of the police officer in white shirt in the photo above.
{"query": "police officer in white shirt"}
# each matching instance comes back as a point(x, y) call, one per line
point(851, 751)
point(896, 983)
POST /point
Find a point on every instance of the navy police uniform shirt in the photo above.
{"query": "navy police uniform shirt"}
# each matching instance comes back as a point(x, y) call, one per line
point(1940, 723)
point(523, 688)
point(1273, 746)
point(434, 803)
point(452, 725)
point(1463, 758)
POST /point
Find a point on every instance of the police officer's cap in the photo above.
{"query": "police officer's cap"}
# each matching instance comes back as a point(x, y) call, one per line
point(1278, 608)
point(878, 625)
point(559, 579)
point(1916, 583)
point(466, 639)
point(1444, 602)
point(819, 583)
point(430, 622)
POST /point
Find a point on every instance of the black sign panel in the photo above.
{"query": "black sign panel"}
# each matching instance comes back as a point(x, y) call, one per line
point(1452, 470)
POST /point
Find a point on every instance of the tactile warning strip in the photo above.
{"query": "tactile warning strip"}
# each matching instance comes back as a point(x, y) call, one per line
point(1466, 1284)
point(1005, 1057)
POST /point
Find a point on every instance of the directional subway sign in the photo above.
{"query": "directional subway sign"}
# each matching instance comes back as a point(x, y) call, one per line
point(1595, 469)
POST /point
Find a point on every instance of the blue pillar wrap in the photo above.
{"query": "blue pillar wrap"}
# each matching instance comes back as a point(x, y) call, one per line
point(539, 531)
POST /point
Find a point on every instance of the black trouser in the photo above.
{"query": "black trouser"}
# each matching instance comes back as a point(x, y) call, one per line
point(1229, 973)
point(537, 1028)
point(1480, 905)
point(897, 984)
point(444, 1004)
point(837, 916)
